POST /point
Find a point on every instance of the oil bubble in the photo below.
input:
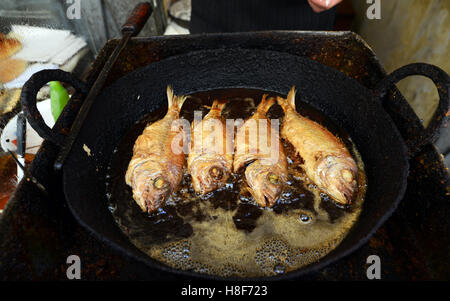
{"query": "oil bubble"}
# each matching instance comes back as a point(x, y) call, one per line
point(279, 269)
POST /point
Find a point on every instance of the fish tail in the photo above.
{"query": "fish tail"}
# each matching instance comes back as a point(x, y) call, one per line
point(174, 100)
point(266, 104)
point(288, 102)
point(218, 105)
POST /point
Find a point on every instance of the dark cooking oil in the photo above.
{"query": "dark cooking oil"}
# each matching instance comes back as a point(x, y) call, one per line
point(225, 232)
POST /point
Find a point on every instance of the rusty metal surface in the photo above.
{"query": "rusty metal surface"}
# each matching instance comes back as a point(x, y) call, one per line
point(37, 233)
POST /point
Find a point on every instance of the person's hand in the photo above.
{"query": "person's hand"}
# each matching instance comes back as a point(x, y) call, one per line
point(321, 5)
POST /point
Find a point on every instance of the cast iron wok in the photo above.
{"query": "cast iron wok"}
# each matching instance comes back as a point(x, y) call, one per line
point(351, 106)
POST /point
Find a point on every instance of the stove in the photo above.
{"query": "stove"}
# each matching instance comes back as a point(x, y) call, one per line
point(38, 231)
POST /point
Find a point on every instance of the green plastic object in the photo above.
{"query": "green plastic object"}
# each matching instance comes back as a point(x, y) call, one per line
point(58, 98)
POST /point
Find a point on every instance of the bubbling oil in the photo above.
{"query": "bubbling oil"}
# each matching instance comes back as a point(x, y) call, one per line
point(225, 233)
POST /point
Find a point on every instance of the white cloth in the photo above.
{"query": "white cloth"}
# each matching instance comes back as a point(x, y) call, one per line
point(45, 45)
point(46, 48)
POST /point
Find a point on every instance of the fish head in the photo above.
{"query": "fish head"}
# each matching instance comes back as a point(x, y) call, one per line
point(153, 188)
point(209, 174)
point(265, 183)
point(338, 176)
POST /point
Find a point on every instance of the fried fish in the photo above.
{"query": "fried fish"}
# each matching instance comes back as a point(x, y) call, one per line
point(156, 170)
point(327, 162)
point(209, 161)
point(8, 46)
point(259, 150)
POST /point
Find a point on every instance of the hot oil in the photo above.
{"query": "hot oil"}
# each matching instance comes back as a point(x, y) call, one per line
point(225, 233)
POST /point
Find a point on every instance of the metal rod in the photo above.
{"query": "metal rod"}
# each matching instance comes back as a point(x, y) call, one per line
point(132, 27)
point(86, 106)
point(33, 179)
point(17, 161)
point(21, 143)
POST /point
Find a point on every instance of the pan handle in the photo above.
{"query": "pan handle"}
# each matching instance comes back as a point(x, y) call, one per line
point(28, 99)
point(440, 117)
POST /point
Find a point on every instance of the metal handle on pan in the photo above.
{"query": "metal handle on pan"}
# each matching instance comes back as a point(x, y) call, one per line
point(440, 118)
point(28, 99)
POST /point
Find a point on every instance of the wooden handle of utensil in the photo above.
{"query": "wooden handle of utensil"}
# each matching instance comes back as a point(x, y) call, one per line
point(137, 19)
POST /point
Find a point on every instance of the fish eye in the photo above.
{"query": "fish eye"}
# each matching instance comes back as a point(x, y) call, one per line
point(305, 219)
point(347, 175)
point(216, 172)
point(160, 183)
point(273, 178)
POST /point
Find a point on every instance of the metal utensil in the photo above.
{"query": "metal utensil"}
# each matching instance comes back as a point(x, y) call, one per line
point(131, 28)
point(21, 143)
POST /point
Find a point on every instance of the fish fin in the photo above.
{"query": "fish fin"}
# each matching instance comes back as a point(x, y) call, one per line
point(288, 102)
point(170, 95)
point(218, 105)
point(265, 104)
point(291, 97)
point(174, 100)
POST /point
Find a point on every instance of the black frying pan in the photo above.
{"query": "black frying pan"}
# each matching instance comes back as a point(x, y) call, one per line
point(352, 107)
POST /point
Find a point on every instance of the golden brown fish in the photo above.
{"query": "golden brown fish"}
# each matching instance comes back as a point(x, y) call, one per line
point(209, 160)
point(156, 170)
point(258, 147)
point(327, 162)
